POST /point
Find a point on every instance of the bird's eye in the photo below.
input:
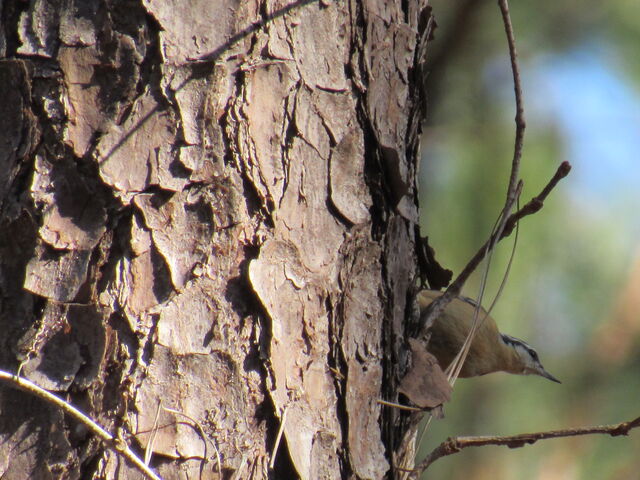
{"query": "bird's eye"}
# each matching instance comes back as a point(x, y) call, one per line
point(534, 355)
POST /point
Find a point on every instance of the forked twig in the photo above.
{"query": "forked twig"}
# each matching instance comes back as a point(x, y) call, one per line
point(508, 220)
point(116, 444)
point(454, 445)
point(535, 204)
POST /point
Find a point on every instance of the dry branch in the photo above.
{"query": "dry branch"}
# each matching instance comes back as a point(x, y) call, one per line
point(534, 205)
point(116, 444)
point(520, 121)
point(454, 445)
point(508, 221)
point(515, 185)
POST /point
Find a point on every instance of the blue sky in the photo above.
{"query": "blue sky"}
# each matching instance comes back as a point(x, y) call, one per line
point(598, 113)
point(585, 93)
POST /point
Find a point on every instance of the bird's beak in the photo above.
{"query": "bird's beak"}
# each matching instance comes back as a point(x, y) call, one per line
point(545, 374)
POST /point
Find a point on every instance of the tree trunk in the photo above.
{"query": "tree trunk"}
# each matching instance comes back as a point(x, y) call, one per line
point(207, 233)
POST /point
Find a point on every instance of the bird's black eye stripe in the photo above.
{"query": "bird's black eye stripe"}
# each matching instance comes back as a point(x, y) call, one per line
point(509, 340)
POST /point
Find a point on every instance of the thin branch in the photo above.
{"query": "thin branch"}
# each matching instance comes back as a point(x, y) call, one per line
point(534, 205)
point(455, 368)
point(520, 121)
point(507, 220)
point(400, 406)
point(537, 203)
point(116, 444)
point(515, 185)
point(505, 225)
point(283, 420)
point(454, 445)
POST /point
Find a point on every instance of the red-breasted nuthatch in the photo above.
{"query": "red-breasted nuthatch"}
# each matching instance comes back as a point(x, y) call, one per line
point(490, 351)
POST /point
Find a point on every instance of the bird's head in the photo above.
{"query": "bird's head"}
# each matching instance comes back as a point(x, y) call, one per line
point(525, 359)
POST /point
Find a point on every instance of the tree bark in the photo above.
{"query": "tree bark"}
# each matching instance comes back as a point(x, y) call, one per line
point(207, 233)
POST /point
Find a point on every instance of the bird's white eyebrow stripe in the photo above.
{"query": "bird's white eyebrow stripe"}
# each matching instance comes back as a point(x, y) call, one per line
point(515, 341)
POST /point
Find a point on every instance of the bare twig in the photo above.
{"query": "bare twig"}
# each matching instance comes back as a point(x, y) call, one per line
point(506, 219)
point(456, 366)
point(400, 406)
point(283, 420)
point(454, 445)
point(520, 121)
point(115, 444)
point(453, 370)
point(535, 204)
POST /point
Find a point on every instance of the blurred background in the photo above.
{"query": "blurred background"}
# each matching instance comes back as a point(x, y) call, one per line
point(574, 288)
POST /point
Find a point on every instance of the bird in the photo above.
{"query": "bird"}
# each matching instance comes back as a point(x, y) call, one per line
point(490, 351)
